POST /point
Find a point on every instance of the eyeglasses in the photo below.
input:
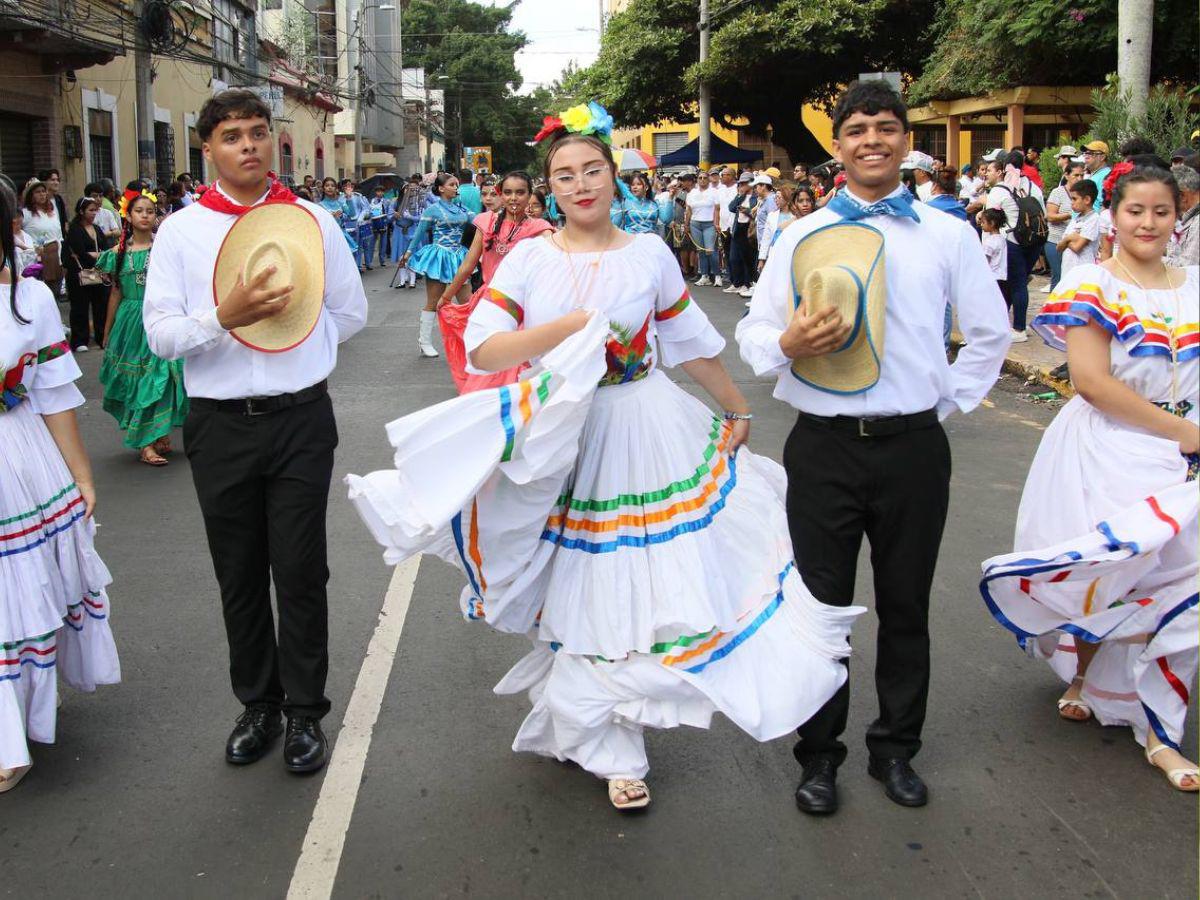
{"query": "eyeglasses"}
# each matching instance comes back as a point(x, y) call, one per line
point(567, 184)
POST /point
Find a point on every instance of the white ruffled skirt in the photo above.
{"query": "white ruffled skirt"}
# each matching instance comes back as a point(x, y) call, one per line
point(1108, 553)
point(53, 605)
point(651, 567)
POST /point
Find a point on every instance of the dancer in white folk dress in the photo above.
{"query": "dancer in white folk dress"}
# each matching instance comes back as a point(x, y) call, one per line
point(602, 510)
point(1102, 583)
point(53, 605)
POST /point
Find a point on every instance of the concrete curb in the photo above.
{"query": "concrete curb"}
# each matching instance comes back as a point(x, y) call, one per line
point(1021, 369)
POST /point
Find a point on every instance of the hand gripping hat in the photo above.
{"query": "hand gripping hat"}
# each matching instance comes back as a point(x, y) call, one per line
point(286, 236)
point(841, 266)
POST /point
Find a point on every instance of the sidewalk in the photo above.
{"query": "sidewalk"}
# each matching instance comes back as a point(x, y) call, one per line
point(1035, 359)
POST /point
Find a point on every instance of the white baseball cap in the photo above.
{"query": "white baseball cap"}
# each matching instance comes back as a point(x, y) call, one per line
point(1067, 150)
point(763, 179)
point(996, 155)
point(918, 160)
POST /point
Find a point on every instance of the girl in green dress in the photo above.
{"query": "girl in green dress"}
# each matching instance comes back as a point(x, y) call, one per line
point(143, 393)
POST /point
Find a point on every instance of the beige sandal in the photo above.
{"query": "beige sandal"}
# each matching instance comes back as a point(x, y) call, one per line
point(1075, 703)
point(618, 786)
point(9, 778)
point(1175, 776)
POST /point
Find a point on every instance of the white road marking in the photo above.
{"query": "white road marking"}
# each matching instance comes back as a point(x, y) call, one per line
point(321, 855)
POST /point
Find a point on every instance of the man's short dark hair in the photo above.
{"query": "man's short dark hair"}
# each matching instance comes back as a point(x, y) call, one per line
point(1084, 188)
point(870, 98)
point(184, 176)
point(93, 187)
point(235, 103)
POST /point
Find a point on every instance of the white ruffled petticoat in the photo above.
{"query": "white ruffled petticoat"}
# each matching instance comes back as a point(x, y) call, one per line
point(53, 606)
point(652, 568)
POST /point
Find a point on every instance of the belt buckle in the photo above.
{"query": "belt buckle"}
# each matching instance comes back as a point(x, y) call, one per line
point(250, 410)
point(862, 428)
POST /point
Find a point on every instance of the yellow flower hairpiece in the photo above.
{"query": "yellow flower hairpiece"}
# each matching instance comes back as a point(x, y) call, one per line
point(129, 197)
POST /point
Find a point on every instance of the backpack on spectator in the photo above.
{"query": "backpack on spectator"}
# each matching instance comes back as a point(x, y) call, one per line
point(1031, 228)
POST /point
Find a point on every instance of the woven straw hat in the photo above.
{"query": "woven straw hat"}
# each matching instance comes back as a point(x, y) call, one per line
point(286, 236)
point(842, 266)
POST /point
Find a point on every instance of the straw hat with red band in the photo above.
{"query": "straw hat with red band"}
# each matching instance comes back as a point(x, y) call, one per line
point(286, 236)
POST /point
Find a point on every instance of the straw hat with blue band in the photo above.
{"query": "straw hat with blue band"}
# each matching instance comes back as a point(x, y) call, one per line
point(286, 236)
point(842, 266)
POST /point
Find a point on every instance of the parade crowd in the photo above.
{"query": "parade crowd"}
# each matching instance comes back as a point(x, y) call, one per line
point(662, 571)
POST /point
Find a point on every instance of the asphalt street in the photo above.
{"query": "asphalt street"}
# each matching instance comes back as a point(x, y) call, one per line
point(135, 799)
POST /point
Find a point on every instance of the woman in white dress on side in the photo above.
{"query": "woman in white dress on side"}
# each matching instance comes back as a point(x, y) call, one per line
point(603, 511)
point(53, 605)
point(1102, 582)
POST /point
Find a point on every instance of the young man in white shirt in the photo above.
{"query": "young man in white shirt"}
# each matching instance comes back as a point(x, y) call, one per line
point(1079, 244)
point(260, 435)
point(876, 463)
point(726, 191)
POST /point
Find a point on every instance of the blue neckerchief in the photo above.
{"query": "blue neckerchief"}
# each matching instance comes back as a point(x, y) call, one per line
point(900, 205)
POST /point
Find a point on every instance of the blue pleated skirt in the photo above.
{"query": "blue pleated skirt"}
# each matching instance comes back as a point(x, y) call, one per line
point(437, 263)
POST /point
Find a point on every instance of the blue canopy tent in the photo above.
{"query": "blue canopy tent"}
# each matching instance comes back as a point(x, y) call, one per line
point(720, 152)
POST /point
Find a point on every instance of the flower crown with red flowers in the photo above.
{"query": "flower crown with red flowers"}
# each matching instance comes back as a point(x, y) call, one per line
point(1120, 169)
point(586, 118)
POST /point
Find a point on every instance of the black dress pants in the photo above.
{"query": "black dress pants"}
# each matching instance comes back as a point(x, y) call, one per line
point(263, 485)
point(894, 490)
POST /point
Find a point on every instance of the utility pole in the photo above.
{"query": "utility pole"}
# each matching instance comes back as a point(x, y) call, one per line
point(428, 123)
point(705, 103)
point(144, 99)
point(359, 126)
point(1135, 34)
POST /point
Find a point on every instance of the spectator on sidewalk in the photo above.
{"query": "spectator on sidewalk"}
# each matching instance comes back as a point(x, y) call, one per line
point(701, 206)
point(764, 189)
point(726, 192)
point(1030, 167)
point(52, 179)
point(741, 253)
point(969, 185)
point(1005, 185)
point(469, 193)
point(945, 191)
point(1079, 244)
point(1185, 249)
point(921, 166)
point(995, 248)
point(106, 219)
point(1095, 156)
point(1058, 215)
point(1066, 153)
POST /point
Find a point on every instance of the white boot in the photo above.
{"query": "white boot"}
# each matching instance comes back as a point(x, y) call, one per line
point(425, 336)
point(412, 278)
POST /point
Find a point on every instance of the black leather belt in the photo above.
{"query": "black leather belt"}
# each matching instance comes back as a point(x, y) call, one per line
point(261, 406)
point(884, 426)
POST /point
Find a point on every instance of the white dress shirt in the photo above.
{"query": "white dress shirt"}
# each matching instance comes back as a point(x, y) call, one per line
point(180, 314)
point(929, 264)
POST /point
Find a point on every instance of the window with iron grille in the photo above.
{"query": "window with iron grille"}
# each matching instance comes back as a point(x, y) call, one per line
point(195, 156)
point(164, 154)
point(985, 140)
point(285, 159)
point(930, 139)
point(100, 145)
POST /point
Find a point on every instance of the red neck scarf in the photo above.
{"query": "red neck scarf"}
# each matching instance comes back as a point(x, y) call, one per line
point(277, 192)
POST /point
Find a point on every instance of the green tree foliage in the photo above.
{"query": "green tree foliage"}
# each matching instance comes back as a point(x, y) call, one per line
point(768, 58)
point(468, 43)
point(984, 45)
point(1168, 122)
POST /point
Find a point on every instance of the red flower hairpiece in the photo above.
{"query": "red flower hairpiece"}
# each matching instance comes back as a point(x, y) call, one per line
point(550, 124)
point(1121, 168)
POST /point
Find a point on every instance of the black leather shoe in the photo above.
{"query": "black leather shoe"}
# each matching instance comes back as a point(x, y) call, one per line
point(817, 793)
point(252, 736)
point(305, 748)
point(900, 782)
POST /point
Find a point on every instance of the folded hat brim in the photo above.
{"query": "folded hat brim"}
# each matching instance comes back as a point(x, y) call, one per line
point(858, 248)
point(296, 235)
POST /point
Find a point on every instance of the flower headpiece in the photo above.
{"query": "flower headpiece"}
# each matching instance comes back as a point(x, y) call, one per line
point(586, 118)
point(1121, 168)
point(130, 196)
